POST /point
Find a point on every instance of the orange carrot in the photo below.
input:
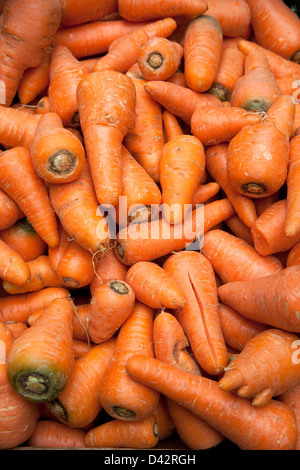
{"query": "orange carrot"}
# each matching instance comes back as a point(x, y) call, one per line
point(269, 427)
point(291, 399)
point(32, 197)
point(43, 105)
point(17, 129)
point(214, 125)
point(288, 84)
point(13, 269)
point(233, 16)
point(81, 12)
point(41, 373)
point(106, 102)
point(202, 52)
point(234, 260)
point(81, 347)
point(75, 269)
point(205, 192)
point(296, 124)
point(107, 267)
point(142, 434)
point(121, 396)
point(10, 212)
point(275, 301)
point(124, 54)
point(263, 203)
point(24, 41)
point(35, 80)
point(159, 58)
point(153, 286)
point(83, 387)
point(272, 376)
point(111, 305)
point(172, 128)
point(17, 327)
point(50, 434)
point(292, 221)
point(238, 330)
point(293, 255)
point(199, 317)
point(216, 165)
point(239, 229)
point(137, 10)
point(6, 341)
point(80, 322)
point(276, 27)
point(178, 78)
point(163, 419)
point(258, 155)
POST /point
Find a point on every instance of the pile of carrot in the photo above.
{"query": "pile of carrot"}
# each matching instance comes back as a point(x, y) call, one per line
point(149, 224)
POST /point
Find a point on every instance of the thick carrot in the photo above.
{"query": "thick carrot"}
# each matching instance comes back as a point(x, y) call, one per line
point(199, 317)
point(107, 267)
point(202, 52)
point(271, 300)
point(106, 102)
point(145, 141)
point(149, 241)
point(235, 260)
point(137, 10)
point(75, 269)
point(51, 434)
point(237, 227)
point(214, 125)
point(269, 427)
point(293, 255)
point(276, 27)
point(17, 129)
point(233, 16)
point(76, 207)
point(178, 100)
point(83, 387)
point(291, 399)
point(159, 58)
point(111, 305)
point(258, 155)
point(153, 286)
point(32, 197)
point(216, 158)
point(181, 168)
point(124, 54)
point(121, 396)
point(27, 31)
point(78, 12)
point(257, 89)
point(292, 221)
point(35, 80)
point(264, 368)
point(142, 434)
point(41, 359)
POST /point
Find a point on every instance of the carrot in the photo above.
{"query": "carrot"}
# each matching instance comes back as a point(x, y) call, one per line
point(291, 399)
point(50, 434)
point(272, 426)
point(111, 305)
point(289, 83)
point(263, 169)
point(17, 129)
point(124, 54)
point(230, 69)
point(10, 212)
point(149, 241)
point(143, 434)
point(81, 347)
point(80, 322)
point(92, 38)
point(43, 105)
point(165, 424)
point(216, 165)
point(83, 387)
point(181, 168)
point(172, 128)
point(22, 238)
point(296, 125)
point(106, 102)
point(13, 268)
point(6, 341)
point(65, 75)
point(292, 221)
point(268, 231)
point(278, 64)
point(41, 373)
point(274, 302)
point(79, 12)
point(205, 192)
point(235, 260)
point(121, 396)
point(202, 52)
point(257, 89)
point(35, 80)
point(276, 27)
point(199, 317)
point(32, 197)
point(17, 327)
point(214, 125)
point(159, 58)
point(238, 330)
point(293, 255)
point(178, 78)
point(233, 16)
point(272, 376)
point(76, 207)
point(263, 203)
point(108, 267)
point(237, 227)
point(145, 141)
point(75, 268)
point(153, 286)
point(133, 10)
point(178, 100)
point(27, 31)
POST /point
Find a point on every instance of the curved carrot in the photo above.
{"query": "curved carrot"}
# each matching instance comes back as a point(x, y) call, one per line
point(35, 80)
point(272, 426)
point(121, 396)
point(57, 154)
point(137, 10)
point(32, 197)
point(153, 286)
point(159, 58)
point(17, 129)
point(202, 52)
point(107, 267)
point(292, 221)
point(51, 434)
point(42, 372)
point(80, 12)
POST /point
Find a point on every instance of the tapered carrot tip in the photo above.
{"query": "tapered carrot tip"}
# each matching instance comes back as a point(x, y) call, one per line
point(263, 397)
point(232, 380)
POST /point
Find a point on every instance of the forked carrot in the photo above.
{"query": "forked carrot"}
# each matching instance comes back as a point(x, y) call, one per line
point(51, 434)
point(159, 58)
point(143, 10)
